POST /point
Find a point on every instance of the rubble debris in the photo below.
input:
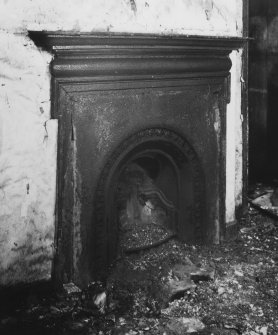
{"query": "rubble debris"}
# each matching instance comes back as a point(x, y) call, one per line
point(274, 198)
point(180, 326)
point(195, 273)
point(259, 189)
point(165, 239)
point(71, 288)
point(100, 301)
point(265, 199)
point(220, 290)
point(246, 230)
point(176, 288)
point(241, 298)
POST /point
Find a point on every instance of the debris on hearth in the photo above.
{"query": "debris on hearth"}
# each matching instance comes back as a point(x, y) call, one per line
point(228, 289)
point(71, 288)
point(100, 301)
point(180, 326)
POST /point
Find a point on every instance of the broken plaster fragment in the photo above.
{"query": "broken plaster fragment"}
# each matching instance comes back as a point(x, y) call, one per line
point(71, 288)
point(185, 325)
point(100, 301)
point(220, 290)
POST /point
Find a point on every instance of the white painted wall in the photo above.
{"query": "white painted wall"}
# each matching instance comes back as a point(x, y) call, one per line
point(234, 141)
point(28, 136)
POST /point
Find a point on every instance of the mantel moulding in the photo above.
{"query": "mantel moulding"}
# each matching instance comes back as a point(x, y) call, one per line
point(102, 55)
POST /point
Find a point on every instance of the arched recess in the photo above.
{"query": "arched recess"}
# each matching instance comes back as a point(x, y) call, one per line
point(185, 187)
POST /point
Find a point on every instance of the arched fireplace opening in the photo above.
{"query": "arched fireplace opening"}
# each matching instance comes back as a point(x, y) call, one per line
point(147, 201)
point(150, 190)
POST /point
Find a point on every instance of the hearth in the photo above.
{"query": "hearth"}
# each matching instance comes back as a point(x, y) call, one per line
point(141, 147)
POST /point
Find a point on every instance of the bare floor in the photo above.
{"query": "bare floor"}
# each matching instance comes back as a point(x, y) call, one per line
point(236, 293)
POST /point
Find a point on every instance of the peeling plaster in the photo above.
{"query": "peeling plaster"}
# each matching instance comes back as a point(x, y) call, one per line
point(166, 17)
point(133, 6)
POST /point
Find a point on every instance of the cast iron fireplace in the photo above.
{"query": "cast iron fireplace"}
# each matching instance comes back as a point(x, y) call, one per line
point(142, 131)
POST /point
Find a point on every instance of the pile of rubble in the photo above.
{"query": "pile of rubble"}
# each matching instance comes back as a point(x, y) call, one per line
point(171, 289)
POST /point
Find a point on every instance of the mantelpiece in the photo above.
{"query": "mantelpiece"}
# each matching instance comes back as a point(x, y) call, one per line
point(125, 100)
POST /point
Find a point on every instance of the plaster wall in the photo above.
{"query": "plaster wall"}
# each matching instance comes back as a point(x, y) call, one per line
point(28, 137)
point(234, 141)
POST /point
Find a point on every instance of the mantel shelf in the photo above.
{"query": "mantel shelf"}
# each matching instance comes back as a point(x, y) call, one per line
point(56, 41)
point(95, 55)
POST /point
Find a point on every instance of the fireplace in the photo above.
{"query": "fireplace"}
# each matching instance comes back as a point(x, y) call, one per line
point(152, 184)
point(141, 144)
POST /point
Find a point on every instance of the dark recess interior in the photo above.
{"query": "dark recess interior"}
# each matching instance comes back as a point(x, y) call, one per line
point(263, 91)
point(147, 201)
point(152, 194)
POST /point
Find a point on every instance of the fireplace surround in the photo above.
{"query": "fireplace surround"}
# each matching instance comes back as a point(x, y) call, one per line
point(150, 105)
